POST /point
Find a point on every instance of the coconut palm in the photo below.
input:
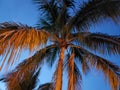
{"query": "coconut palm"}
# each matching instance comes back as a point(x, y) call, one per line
point(63, 36)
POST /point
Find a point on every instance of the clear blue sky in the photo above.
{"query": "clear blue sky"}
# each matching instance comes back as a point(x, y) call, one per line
point(24, 11)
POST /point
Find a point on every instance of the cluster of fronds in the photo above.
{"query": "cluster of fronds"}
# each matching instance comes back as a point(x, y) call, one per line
point(66, 37)
point(111, 71)
point(17, 37)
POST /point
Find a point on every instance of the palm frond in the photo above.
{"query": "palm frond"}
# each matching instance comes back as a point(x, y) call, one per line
point(71, 82)
point(16, 37)
point(30, 82)
point(111, 71)
point(34, 80)
point(63, 16)
point(25, 70)
point(45, 24)
point(94, 11)
point(55, 13)
point(80, 59)
point(74, 81)
point(49, 8)
point(27, 84)
point(51, 55)
point(46, 86)
point(77, 77)
point(102, 43)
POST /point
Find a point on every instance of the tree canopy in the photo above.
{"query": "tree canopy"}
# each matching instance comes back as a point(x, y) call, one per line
point(62, 35)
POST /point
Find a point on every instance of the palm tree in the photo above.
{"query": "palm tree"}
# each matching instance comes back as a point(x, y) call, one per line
point(62, 36)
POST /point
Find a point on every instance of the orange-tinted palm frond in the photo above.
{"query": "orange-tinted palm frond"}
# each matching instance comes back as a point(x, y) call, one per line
point(29, 82)
point(74, 81)
point(111, 71)
point(15, 37)
point(59, 71)
point(77, 77)
point(71, 82)
point(25, 70)
point(74, 74)
point(94, 11)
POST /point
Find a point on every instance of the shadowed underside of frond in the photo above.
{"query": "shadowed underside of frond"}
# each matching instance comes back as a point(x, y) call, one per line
point(95, 11)
point(79, 58)
point(46, 86)
point(52, 55)
point(55, 15)
point(102, 43)
point(15, 37)
point(111, 71)
point(71, 82)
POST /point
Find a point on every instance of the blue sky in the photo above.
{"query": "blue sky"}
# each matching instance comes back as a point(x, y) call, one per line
point(22, 11)
point(25, 12)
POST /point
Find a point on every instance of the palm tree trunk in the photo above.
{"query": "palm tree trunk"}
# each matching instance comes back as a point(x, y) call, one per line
point(59, 71)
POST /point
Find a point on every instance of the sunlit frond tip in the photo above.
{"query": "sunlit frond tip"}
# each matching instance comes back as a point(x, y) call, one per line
point(16, 37)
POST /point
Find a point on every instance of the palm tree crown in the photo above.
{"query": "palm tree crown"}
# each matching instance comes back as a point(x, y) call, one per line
point(63, 34)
